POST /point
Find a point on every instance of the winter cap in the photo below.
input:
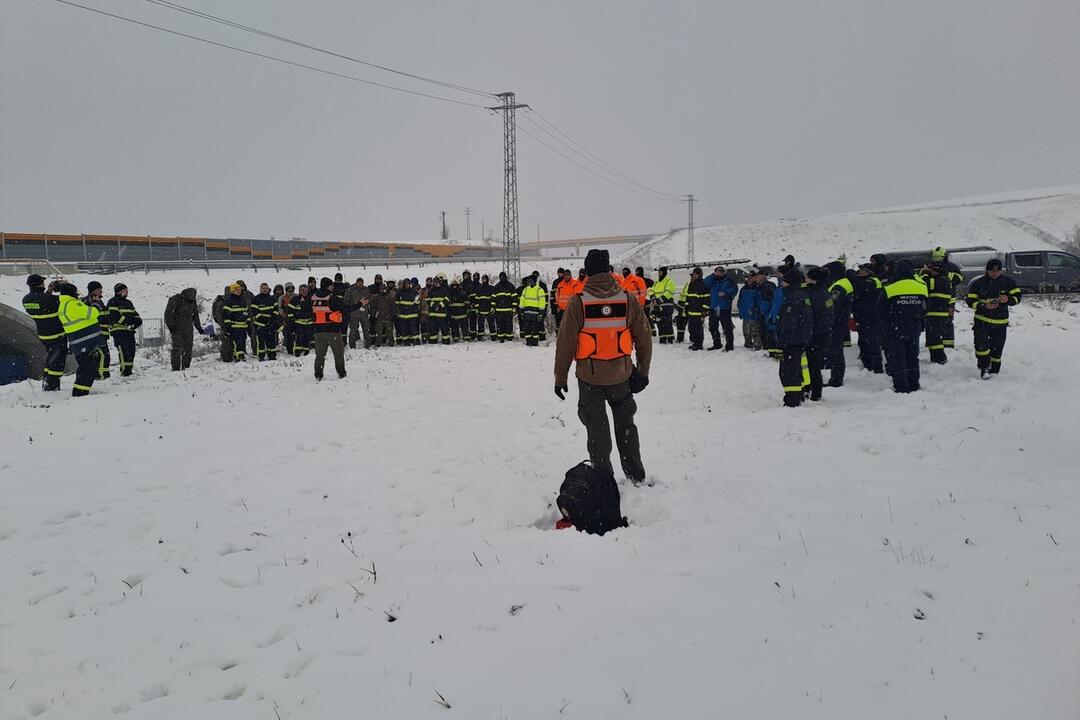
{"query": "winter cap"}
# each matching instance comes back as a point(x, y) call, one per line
point(993, 264)
point(35, 281)
point(597, 262)
point(92, 286)
point(818, 274)
point(792, 276)
point(903, 269)
point(536, 273)
point(789, 260)
point(118, 287)
point(289, 287)
point(696, 271)
point(502, 276)
point(338, 277)
point(69, 290)
point(325, 283)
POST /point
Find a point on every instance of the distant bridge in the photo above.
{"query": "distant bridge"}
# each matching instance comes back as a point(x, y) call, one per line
point(578, 244)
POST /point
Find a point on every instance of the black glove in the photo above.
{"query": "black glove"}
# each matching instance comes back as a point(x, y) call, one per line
point(559, 390)
point(638, 382)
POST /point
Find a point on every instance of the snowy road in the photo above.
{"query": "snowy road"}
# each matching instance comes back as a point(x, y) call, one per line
point(233, 543)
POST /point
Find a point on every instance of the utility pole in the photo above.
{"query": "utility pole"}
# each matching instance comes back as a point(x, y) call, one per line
point(468, 227)
point(690, 227)
point(445, 234)
point(511, 239)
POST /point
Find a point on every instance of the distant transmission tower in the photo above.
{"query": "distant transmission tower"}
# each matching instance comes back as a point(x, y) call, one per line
point(511, 237)
point(690, 227)
point(468, 227)
point(445, 235)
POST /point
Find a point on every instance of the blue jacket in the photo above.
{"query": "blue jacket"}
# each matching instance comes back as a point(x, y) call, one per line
point(723, 285)
point(748, 303)
point(774, 311)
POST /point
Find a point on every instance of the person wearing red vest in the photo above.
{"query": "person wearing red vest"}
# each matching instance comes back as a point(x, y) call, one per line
point(600, 330)
point(328, 313)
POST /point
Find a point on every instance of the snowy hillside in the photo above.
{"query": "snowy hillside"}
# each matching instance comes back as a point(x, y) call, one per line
point(239, 542)
point(1008, 221)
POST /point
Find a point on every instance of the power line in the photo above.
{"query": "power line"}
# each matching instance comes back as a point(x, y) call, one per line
point(588, 169)
point(270, 57)
point(247, 28)
point(600, 160)
point(600, 168)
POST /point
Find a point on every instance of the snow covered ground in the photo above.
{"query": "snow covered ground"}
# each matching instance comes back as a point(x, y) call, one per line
point(240, 542)
point(1005, 221)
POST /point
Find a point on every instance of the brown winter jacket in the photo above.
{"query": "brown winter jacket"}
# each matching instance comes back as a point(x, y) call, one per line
point(601, 372)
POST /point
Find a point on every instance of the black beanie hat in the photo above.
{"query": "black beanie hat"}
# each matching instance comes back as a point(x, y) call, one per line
point(325, 283)
point(92, 286)
point(118, 287)
point(597, 262)
point(993, 264)
point(793, 277)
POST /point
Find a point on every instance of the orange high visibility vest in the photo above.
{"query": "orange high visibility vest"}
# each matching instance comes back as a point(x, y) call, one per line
point(567, 289)
point(320, 308)
point(604, 333)
point(635, 285)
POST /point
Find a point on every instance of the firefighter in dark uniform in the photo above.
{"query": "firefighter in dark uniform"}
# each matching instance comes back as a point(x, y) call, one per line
point(84, 337)
point(904, 310)
point(866, 309)
point(438, 312)
point(505, 298)
point(42, 306)
point(93, 297)
point(124, 320)
point(821, 304)
point(235, 314)
point(299, 314)
point(696, 306)
point(990, 297)
point(794, 331)
point(483, 301)
point(940, 296)
point(842, 291)
point(407, 302)
point(459, 312)
point(264, 318)
point(956, 281)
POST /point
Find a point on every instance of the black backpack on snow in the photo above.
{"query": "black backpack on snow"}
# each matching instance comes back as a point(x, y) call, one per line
point(589, 499)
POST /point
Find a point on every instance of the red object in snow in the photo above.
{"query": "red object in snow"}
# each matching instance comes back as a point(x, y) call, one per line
point(563, 523)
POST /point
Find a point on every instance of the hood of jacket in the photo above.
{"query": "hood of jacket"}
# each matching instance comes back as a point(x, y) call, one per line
point(602, 285)
point(188, 294)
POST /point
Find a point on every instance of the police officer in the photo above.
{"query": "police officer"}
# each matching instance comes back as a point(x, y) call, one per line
point(124, 320)
point(42, 306)
point(990, 297)
point(905, 307)
point(84, 337)
point(600, 329)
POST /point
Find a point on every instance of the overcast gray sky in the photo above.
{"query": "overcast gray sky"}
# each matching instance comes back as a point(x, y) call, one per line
point(764, 109)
